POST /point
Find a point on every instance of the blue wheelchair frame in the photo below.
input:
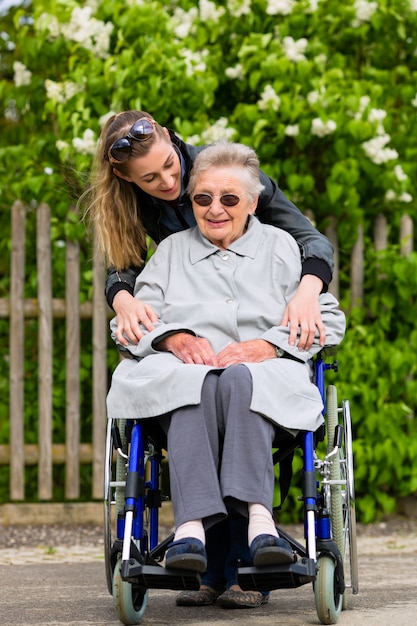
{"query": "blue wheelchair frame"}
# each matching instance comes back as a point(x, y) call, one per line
point(134, 558)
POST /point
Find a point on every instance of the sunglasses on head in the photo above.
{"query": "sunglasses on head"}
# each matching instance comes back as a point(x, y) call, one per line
point(141, 130)
point(227, 199)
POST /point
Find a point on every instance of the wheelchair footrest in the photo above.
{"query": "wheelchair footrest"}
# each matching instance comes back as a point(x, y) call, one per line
point(158, 577)
point(268, 578)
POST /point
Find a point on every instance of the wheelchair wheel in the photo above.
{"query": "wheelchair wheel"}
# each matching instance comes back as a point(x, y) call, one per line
point(327, 591)
point(114, 481)
point(342, 495)
point(130, 600)
point(336, 502)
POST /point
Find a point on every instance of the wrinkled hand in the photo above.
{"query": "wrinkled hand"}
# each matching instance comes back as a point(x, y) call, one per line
point(130, 312)
point(253, 351)
point(189, 349)
point(303, 314)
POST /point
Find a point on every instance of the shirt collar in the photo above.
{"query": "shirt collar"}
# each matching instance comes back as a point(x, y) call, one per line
point(247, 245)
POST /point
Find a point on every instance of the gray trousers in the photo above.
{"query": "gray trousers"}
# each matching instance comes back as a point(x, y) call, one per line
point(220, 452)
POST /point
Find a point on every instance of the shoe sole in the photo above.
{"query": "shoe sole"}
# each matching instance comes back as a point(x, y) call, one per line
point(229, 603)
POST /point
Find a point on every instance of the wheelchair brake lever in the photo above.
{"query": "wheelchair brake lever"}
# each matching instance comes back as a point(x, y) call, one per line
point(338, 436)
point(117, 441)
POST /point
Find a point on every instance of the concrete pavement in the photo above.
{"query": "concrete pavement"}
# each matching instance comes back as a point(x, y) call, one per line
point(67, 587)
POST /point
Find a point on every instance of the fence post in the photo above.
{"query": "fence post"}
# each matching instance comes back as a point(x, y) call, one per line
point(331, 233)
point(406, 235)
point(100, 335)
point(356, 274)
point(380, 233)
point(45, 345)
point(72, 379)
point(17, 355)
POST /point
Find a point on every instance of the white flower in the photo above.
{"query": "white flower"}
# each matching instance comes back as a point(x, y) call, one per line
point(194, 140)
point(292, 130)
point(90, 33)
point(321, 129)
point(364, 11)
point(363, 103)
point(218, 131)
point(209, 11)
point(10, 113)
point(183, 21)
point(86, 144)
point(49, 23)
point(22, 76)
point(313, 6)
point(236, 72)
point(269, 99)
point(61, 92)
point(414, 100)
point(400, 174)
point(375, 149)
point(48, 171)
point(61, 145)
point(390, 196)
point(71, 89)
point(194, 61)
point(377, 115)
point(279, 7)
point(54, 91)
point(237, 8)
point(294, 50)
point(313, 97)
point(405, 197)
point(413, 5)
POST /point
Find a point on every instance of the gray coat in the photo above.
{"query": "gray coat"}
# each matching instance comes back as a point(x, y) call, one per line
point(226, 296)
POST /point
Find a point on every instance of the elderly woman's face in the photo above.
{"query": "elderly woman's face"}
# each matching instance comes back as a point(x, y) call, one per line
point(222, 224)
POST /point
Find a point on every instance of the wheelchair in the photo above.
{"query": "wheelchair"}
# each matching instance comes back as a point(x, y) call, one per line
point(327, 559)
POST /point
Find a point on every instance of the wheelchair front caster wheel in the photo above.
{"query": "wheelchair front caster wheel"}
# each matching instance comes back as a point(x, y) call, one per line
point(327, 592)
point(130, 600)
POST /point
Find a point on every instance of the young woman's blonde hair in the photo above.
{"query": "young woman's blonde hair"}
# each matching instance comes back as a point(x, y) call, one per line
point(111, 202)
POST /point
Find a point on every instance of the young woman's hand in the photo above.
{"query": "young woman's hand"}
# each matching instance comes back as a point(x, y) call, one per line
point(303, 314)
point(130, 312)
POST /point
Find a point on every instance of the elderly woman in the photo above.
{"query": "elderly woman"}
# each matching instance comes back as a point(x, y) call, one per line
point(218, 370)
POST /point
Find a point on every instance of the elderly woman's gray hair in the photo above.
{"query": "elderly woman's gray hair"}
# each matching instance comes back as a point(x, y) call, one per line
point(228, 154)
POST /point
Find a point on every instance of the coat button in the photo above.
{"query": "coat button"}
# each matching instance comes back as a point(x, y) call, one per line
point(225, 257)
point(229, 301)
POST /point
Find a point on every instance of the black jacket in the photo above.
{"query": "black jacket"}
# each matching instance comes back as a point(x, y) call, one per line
point(273, 208)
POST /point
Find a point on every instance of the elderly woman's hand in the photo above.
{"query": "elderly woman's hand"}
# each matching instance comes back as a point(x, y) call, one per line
point(130, 312)
point(189, 348)
point(303, 314)
point(253, 351)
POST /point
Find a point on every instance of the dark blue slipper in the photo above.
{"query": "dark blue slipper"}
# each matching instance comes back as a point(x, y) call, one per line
point(188, 553)
point(269, 550)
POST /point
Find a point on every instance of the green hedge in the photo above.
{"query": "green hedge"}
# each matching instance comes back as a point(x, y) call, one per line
point(324, 91)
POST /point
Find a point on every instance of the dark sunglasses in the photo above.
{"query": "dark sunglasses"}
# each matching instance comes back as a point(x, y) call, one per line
point(227, 199)
point(141, 130)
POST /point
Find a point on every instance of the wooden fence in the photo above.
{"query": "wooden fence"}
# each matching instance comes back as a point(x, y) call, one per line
point(44, 454)
point(17, 309)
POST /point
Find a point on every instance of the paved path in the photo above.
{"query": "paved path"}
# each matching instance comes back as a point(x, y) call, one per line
point(65, 586)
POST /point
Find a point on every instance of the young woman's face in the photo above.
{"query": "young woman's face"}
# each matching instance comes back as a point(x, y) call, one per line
point(219, 223)
point(158, 173)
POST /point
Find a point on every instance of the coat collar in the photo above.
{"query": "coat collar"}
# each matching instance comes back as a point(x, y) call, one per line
point(247, 245)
